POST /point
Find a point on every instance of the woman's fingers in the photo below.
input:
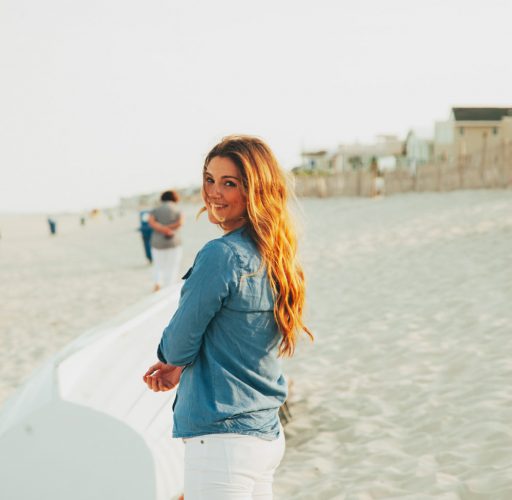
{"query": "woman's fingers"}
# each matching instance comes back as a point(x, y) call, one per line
point(159, 377)
point(157, 384)
point(151, 382)
point(162, 386)
point(152, 369)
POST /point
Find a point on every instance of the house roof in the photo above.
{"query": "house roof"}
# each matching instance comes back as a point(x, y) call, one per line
point(322, 152)
point(480, 114)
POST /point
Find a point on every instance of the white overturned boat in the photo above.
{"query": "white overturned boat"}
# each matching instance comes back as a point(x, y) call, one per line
point(85, 427)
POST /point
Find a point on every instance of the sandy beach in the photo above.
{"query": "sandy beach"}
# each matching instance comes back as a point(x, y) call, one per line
point(405, 393)
point(54, 288)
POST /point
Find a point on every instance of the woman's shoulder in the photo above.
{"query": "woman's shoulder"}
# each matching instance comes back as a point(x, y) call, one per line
point(235, 247)
point(245, 250)
point(216, 247)
point(241, 242)
point(217, 252)
point(216, 258)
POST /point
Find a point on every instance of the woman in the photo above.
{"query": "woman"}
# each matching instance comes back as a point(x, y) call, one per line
point(240, 309)
point(165, 220)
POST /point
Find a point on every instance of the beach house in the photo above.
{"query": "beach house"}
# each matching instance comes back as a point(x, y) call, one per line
point(472, 131)
point(387, 151)
point(320, 160)
point(419, 148)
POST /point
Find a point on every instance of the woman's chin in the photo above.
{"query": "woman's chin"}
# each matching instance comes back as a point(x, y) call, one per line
point(213, 219)
point(217, 216)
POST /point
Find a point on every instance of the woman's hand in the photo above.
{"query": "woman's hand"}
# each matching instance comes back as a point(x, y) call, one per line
point(162, 377)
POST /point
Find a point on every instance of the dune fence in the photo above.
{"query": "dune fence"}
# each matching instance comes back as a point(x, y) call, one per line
point(490, 168)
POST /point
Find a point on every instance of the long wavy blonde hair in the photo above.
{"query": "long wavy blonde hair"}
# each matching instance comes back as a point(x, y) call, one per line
point(270, 225)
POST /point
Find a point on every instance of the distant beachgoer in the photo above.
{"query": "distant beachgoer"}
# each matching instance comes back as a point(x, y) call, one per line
point(374, 172)
point(377, 187)
point(146, 231)
point(165, 220)
point(240, 310)
point(52, 223)
point(379, 184)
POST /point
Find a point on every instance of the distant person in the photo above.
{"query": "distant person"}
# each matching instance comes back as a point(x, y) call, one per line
point(377, 188)
point(240, 310)
point(165, 220)
point(146, 231)
point(380, 184)
point(52, 224)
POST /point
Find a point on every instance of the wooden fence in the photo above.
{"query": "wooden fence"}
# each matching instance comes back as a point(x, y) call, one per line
point(491, 168)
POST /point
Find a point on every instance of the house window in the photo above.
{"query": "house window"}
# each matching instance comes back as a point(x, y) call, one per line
point(461, 130)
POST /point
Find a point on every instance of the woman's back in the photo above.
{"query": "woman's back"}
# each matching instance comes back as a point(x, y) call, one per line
point(225, 331)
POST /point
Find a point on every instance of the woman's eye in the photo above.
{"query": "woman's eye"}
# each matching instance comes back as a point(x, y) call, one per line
point(230, 184)
point(208, 180)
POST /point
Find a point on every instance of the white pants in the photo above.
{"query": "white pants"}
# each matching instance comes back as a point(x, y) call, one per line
point(166, 264)
point(231, 466)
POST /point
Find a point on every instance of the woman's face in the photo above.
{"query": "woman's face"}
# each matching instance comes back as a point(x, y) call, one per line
point(223, 192)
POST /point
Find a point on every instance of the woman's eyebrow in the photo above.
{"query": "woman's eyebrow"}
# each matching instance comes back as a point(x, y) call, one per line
point(223, 176)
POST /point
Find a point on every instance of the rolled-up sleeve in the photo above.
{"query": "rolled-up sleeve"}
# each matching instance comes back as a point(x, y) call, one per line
point(211, 281)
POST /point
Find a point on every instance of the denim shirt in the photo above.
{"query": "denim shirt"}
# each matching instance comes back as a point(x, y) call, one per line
point(225, 335)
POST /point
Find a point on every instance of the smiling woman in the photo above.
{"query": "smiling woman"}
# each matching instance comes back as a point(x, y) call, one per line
point(240, 310)
point(223, 194)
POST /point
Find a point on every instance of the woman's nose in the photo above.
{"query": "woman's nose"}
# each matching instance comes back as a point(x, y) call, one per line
point(214, 190)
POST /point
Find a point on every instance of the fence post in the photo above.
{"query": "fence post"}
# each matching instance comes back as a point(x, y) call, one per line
point(461, 165)
point(483, 159)
point(359, 181)
point(507, 160)
point(505, 167)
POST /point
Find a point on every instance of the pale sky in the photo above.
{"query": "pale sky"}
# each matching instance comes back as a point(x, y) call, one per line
point(106, 98)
